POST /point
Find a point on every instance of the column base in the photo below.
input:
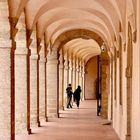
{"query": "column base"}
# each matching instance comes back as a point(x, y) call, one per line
point(29, 131)
point(58, 115)
point(63, 108)
point(38, 124)
point(128, 137)
point(46, 119)
point(53, 115)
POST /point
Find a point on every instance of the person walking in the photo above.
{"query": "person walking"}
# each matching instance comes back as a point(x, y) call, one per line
point(77, 96)
point(69, 95)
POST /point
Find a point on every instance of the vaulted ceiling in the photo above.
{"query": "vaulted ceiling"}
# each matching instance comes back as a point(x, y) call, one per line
point(73, 21)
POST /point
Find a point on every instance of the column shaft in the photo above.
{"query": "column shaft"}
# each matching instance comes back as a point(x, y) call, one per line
point(61, 92)
point(65, 82)
point(21, 90)
point(6, 93)
point(42, 89)
point(33, 91)
point(52, 84)
point(74, 76)
point(77, 77)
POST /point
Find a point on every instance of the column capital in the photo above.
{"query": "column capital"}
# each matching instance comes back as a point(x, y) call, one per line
point(21, 51)
point(61, 66)
point(52, 55)
point(13, 30)
point(52, 60)
point(77, 69)
point(34, 56)
point(70, 65)
point(42, 59)
point(66, 67)
point(74, 67)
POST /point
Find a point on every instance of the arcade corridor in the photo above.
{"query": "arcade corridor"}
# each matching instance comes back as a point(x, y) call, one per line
point(75, 124)
point(45, 45)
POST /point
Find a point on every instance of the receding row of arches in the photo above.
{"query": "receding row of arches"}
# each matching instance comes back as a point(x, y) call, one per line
point(45, 45)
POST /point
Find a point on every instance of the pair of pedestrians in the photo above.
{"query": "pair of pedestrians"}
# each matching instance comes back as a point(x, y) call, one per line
point(76, 96)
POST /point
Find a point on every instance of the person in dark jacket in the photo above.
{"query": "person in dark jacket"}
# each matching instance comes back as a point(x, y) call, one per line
point(69, 96)
point(77, 95)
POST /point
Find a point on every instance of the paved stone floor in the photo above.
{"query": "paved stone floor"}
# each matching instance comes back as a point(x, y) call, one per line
point(74, 124)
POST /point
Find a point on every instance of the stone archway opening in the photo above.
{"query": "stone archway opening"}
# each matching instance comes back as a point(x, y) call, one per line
point(79, 70)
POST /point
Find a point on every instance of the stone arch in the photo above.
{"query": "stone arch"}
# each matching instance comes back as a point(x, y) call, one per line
point(82, 44)
point(118, 5)
point(77, 27)
point(76, 33)
point(84, 24)
point(61, 15)
point(16, 7)
point(48, 6)
point(132, 17)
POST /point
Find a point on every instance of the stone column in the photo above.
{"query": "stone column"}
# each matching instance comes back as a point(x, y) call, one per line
point(74, 75)
point(22, 80)
point(65, 79)
point(80, 75)
point(70, 72)
point(61, 78)
point(42, 99)
point(129, 75)
point(83, 81)
point(52, 84)
point(7, 86)
point(33, 79)
point(6, 92)
point(33, 87)
point(105, 83)
point(21, 90)
point(77, 73)
point(80, 78)
point(46, 115)
point(70, 76)
point(38, 41)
